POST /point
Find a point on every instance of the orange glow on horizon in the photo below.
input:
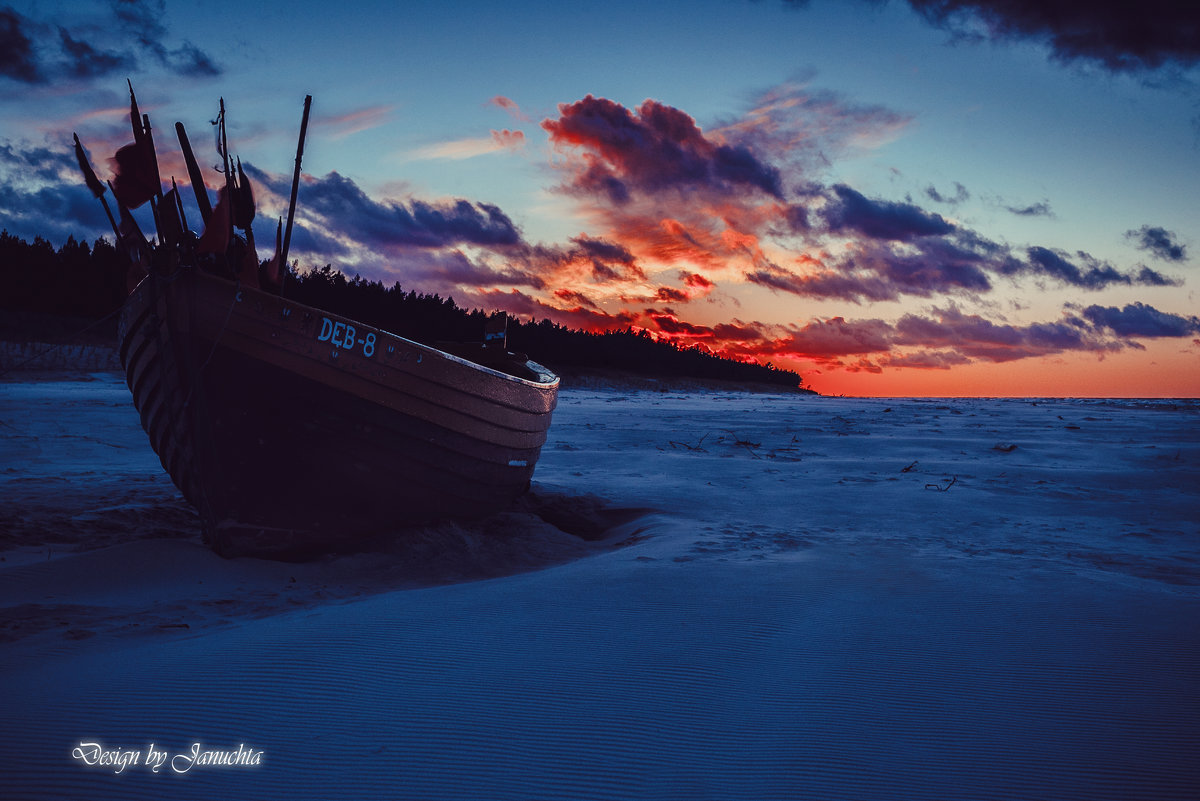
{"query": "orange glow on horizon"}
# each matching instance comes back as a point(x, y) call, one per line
point(1163, 370)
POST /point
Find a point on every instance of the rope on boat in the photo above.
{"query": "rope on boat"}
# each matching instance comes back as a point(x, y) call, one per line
point(54, 347)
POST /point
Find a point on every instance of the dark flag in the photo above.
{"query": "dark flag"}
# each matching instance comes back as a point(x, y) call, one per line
point(135, 166)
point(243, 200)
point(93, 183)
point(89, 175)
point(134, 178)
point(215, 238)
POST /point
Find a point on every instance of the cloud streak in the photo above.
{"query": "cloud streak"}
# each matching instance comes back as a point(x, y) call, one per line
point(459, 149)
point(349, 123)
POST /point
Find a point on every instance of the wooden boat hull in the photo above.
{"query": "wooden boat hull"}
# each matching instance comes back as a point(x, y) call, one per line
point(289, 428)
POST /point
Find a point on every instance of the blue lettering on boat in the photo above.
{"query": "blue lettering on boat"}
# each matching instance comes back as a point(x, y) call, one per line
point(344, 335)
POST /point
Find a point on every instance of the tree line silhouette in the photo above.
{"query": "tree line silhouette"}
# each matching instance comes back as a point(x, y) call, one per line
point(89, 283)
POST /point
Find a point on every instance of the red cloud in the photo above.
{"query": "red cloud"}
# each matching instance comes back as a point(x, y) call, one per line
point(512, 140)
point(500, 101)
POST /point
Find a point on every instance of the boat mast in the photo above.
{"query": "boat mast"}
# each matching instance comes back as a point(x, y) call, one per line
point(287, 237)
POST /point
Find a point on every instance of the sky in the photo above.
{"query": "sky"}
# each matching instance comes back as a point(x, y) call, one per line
point(910, 197)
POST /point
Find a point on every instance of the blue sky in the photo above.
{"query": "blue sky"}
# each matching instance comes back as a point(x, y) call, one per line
point(891, 198)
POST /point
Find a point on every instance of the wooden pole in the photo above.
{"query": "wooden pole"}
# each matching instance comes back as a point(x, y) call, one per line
point(287, 237)
point(194, 174)
point(179, 204)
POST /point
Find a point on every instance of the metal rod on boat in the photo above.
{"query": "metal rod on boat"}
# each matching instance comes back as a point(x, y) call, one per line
point(194, 174)
point(287, 237)
point(149, 134)
point(148, 139)
point(228, 178)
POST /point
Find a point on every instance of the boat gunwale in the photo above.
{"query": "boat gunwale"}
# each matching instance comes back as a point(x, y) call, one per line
point(532, 365)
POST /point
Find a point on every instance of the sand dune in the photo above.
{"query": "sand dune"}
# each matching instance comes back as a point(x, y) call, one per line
point(711, 595)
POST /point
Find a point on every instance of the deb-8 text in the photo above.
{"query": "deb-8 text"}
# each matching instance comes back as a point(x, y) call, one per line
point(342, 335)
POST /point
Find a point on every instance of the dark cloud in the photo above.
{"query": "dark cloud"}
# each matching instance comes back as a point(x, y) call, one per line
point(142, 18)
point(345, 208)
point(418, 241)
point(927, 360)
point(667, 294)
point(1159, 242)
point(738, 331)
point(668, 323)
point(46, 164)
point(945, 337)
point(1040, 209)
point(315, 241)
point(451, 269)
point(849, 210)
point(132, 33)
point(42, 193)
point(189, 60)
point(1148, 277)
point(939, 265)
point(823, 339)
point(574, 298)
point(823, 284)
point(879, 271)
point(960, 195)
point(976, 337)
point(603, 259)
point(86, 61)
point(1093, 275)
point(1140, 320)
point(1119, 35)
point(17, 59)
point(796, 217)
point(656, 149)
point(53, 213)
point(604, 250)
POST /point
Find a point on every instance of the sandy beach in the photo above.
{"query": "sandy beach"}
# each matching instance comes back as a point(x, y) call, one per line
point(708, 595)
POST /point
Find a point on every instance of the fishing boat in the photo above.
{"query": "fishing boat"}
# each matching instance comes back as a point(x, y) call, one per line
point(292, 429)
